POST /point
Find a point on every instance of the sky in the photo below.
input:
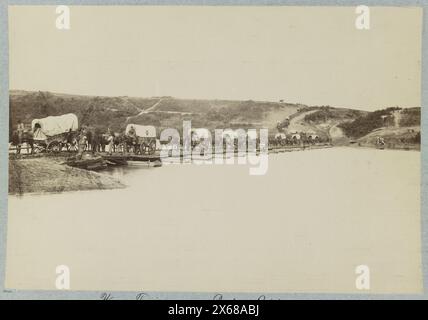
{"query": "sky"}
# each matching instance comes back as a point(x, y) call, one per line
point(309, 55)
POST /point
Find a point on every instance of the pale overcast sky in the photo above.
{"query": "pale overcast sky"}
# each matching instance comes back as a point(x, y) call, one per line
point(311, 55)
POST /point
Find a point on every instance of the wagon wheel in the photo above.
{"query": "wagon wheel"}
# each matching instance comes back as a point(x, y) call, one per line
point(39, 147)
point(152, 147)
point(54, 146)
point(74, 146)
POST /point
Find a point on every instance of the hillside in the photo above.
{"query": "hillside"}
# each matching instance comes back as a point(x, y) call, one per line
point(162, 112)
point(339, 125)
point(98, 111)
point(399, 127)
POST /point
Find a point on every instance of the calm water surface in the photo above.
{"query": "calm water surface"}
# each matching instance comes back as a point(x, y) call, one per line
point(304, 226)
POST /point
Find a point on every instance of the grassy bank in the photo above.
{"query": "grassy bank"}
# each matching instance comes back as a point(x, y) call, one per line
point(406, 138)
point(391, 146)
point(47, 174)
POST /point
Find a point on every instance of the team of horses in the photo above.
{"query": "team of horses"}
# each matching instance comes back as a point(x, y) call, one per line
point(96, 142)
point(282, 139)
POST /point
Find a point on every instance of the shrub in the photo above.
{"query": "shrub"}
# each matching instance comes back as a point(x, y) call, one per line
point(367, 123)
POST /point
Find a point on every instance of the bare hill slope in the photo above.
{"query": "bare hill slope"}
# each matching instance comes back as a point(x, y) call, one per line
point(338, 124)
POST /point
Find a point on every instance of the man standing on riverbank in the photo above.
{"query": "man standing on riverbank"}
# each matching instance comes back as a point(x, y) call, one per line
point(20, 132)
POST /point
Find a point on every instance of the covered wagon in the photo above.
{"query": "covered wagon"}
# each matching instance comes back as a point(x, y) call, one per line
point(199, 134)
point(144, 138)
point(201, 138)
point(237, 138)
point(313, 138)
point(280, 139)
point(53, 132)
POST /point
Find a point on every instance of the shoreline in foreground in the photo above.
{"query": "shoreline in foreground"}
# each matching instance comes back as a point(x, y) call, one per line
point(48, 175)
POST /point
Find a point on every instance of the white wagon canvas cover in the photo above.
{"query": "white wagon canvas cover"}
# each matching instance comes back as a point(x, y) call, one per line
point(54, 125)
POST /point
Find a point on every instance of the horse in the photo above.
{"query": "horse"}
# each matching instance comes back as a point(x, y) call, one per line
point(126, 143)
point(280, 139)
point(97, 141)
point(102, 140)
point(70, 141)
point(295, 139)
point(120, 142)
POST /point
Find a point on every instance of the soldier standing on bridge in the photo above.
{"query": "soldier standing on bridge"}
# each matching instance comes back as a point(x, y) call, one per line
point(82, 143)
point(132, 133)
point(110, 140)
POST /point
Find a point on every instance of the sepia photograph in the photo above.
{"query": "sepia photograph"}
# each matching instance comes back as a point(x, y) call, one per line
point(219, 150)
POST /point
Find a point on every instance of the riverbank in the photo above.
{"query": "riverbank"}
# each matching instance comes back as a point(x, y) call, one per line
point(388, 146)
point(48, 174)
point(40, 173)
point(395, 138)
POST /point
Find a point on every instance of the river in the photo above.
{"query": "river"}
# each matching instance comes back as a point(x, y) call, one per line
point(303, 227)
